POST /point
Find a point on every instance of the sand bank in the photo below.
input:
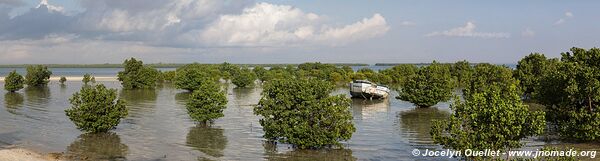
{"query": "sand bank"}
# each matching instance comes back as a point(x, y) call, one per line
point(23, 154)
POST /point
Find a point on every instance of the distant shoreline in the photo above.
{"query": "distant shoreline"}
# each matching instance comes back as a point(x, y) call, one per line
point(71, 79)
point(156, 65)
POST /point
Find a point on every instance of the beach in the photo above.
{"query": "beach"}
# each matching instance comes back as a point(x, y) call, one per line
point(24, 154)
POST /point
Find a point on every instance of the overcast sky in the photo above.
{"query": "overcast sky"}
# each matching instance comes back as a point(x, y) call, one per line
point(286, 31)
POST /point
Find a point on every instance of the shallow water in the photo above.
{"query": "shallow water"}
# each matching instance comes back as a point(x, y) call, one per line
point(158, 128)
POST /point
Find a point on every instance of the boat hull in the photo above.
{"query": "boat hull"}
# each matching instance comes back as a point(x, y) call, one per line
point(367, 90)
point(366, 95)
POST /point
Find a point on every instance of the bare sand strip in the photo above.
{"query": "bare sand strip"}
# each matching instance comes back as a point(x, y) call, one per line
point(18, 154)
point(70, 79)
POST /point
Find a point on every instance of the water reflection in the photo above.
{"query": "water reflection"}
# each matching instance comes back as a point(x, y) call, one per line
point(208, 140)
point(296, 155)
point(182, 97)
point(139, 96)
point(37, 96)
point(63, 88)
point(245, 96)
point(13, 100)
point(139, 101)
point(415, 124)
point(99, 146)
point(369, 108)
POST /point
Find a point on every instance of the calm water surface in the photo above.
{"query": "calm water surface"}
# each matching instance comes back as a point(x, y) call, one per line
point(158, 128)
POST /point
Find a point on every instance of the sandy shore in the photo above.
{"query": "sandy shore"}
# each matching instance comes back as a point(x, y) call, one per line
point(69, 79)
point(18, 154)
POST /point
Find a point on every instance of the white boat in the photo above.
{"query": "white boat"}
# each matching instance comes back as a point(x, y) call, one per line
point(368, 90)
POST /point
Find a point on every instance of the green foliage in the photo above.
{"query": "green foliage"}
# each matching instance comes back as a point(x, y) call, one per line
point(485, 74)
point(571, 94)
point(277, 73)
point(461, 71)
point(336, 77)
point(13, 82)
point(399, 74)
point(62, 80)
point(37, 75)
point(347, 69)
point(531, 69)
point(380, 78)
point(491, 116)
point(291, 69)
point(430, 85)
point(367, 73)
point(190, 77)
point(93, 80)
point(169, 76)
point(358, 76)
point(328, 72)
point(260, 72)
point(244, 78)
point(303, 113)
point(96, 109)
point(207, 103)
point(137, 76)
point(86, 78)
point(228, 70)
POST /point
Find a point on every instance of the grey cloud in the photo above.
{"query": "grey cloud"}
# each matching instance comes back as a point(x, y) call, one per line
point(14, 3)
point(34, 24)
point(172, 24)
point(154, 22)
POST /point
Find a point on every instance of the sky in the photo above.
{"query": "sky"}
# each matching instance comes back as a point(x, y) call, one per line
point(286, 31)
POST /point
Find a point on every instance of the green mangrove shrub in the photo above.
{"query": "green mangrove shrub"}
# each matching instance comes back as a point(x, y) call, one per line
point(207, 103)
point(260, 72)
point(228, 70)
point(96, 109)
point(137, 76)
point(490, 116)
point(37, 75)
point(571, 94)
point(531, 69)
point(86, 78)
point(461, 72)
point(62, 80)
point(13, 82)
point(169, 76)
point(244, 78)
point(190, 77)
point(277, 73)
point(303, 113)
point(430, 85)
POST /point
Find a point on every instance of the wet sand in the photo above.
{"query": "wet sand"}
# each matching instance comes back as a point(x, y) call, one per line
point(24, 154)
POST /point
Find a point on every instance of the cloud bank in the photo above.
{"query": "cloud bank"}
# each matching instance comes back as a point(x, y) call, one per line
point(189, 23)
point(279, 25)
point(183, 25)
